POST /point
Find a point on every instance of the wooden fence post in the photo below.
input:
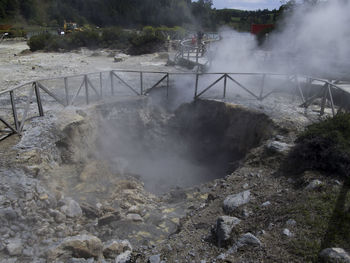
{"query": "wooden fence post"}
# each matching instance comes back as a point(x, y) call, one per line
point(86, 89)
point(14, 110)
point(225, 84)
point(66, 90)
point(38, 99)
point(196, 86)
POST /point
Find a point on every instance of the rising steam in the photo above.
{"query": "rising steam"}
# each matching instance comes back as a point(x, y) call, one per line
point(313, 39)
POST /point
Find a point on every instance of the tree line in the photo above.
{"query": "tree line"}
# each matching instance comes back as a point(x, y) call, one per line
point(128, 13)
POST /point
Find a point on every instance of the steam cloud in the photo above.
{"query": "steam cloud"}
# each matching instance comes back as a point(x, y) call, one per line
point(312, 40)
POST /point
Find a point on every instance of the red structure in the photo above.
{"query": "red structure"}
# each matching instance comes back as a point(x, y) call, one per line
point(257, 28)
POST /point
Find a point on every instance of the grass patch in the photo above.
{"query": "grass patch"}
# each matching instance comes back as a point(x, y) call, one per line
point(323, 220)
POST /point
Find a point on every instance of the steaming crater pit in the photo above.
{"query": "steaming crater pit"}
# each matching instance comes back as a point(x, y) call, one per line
point(196, 143)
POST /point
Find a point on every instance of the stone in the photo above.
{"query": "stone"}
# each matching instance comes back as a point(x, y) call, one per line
point(124, 257)
point(89, 210)
point(134, 210)
point(77, 260)
point(118, 59)
point(314, 184)
point(232, 202)
point(224, 226)
point(245, 186)
point(108, 218)
point(80, 246)
point(154, 259)
point(71, 208)
point(58, 216)
point(8, 213)
point(278, 147)
point(267, 203)
point(335, 255)
point(114, 248)
point(287, 232)
point(291, 222)
point(246, 212)
point(134, 217)
point(14, 247)
point(248, 239)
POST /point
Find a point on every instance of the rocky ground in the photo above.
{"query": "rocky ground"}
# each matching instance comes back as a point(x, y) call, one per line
point(60, 203)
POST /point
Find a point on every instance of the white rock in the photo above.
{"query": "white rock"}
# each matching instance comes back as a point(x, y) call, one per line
point(245, 186)
point(279, 147)
point(314, 184)
point(335, 255)
point(124, 257)
point(287, 232)
point(232, 202)
point(267, 203)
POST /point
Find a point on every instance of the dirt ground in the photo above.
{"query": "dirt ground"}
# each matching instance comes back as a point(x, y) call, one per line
point(18, 65)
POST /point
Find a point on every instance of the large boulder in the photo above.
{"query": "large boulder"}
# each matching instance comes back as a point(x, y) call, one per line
point(334, 255)
point(224, 227)
point(248, 239)
point(232, 202)
point(71, 208)
point(81, 246)
point(14, 247)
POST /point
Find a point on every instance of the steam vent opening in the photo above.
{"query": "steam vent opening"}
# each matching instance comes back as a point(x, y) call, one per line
point(198, 142)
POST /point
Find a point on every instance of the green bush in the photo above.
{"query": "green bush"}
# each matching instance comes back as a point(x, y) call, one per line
point(39, 42)
point(174, 32)
point(325, 146)
point(144, 42)
point(56, 43)
point(17, 32)
point(115, 37)
point(147, 36)
point(149, 31)
point(88, 38)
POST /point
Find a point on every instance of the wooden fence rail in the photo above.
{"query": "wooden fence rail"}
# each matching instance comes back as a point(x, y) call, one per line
point(117, 79)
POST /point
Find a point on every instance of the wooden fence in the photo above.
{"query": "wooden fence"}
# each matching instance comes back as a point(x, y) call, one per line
point(93, 87)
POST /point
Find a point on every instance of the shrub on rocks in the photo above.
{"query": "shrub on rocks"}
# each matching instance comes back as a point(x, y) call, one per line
point(324, 146)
